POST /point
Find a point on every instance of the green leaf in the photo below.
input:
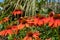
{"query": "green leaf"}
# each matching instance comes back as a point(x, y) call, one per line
point(53, 38)
point(10, 37)
point(1, 26)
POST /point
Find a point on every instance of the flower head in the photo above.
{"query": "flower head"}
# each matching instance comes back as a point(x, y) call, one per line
point(21, 26)
point(36, 34)
point(17, 12)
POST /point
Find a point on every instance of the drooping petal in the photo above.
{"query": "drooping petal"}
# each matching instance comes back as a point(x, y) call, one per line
point(14, 29)
point(55, 23)
point(27, 38)
point(21, 26)
point(2, 33)
point(58, 22)
point(1, 22)
point(30, 22)
point(40, 22)
point(51, 22)
point(36, 34)
point(46, 20)
point(8, 32)
point(36, 21)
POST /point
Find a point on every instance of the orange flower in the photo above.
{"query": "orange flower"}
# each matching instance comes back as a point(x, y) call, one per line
point(15, 12)
point(2, 33)
point(8, 32)
point(30, 22)
point(36, 34)
point(14, 29)
point(31, 34)
point(27, 38)
point(5, 19)
point(21, 26)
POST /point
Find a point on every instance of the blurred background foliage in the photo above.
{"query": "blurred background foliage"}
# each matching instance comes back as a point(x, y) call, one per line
point(31, 7)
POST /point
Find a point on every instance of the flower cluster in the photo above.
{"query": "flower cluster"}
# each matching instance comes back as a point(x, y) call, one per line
point(37, 21)
point(9, 31)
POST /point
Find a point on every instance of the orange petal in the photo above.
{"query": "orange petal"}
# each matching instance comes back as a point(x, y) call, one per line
point(21, 26)
point(14, 28)
point(27, 25)
point(46, 20)
point(36, 21)
point(2, 33)
point(8, 32)
point(51, 22)
point(40, 22)
point(27, 38)
point(5, 19)
point(58, 22)
point(1, 22)
point(38, 38)
point(36, 34)
point(55, 23)
point(49, 39)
